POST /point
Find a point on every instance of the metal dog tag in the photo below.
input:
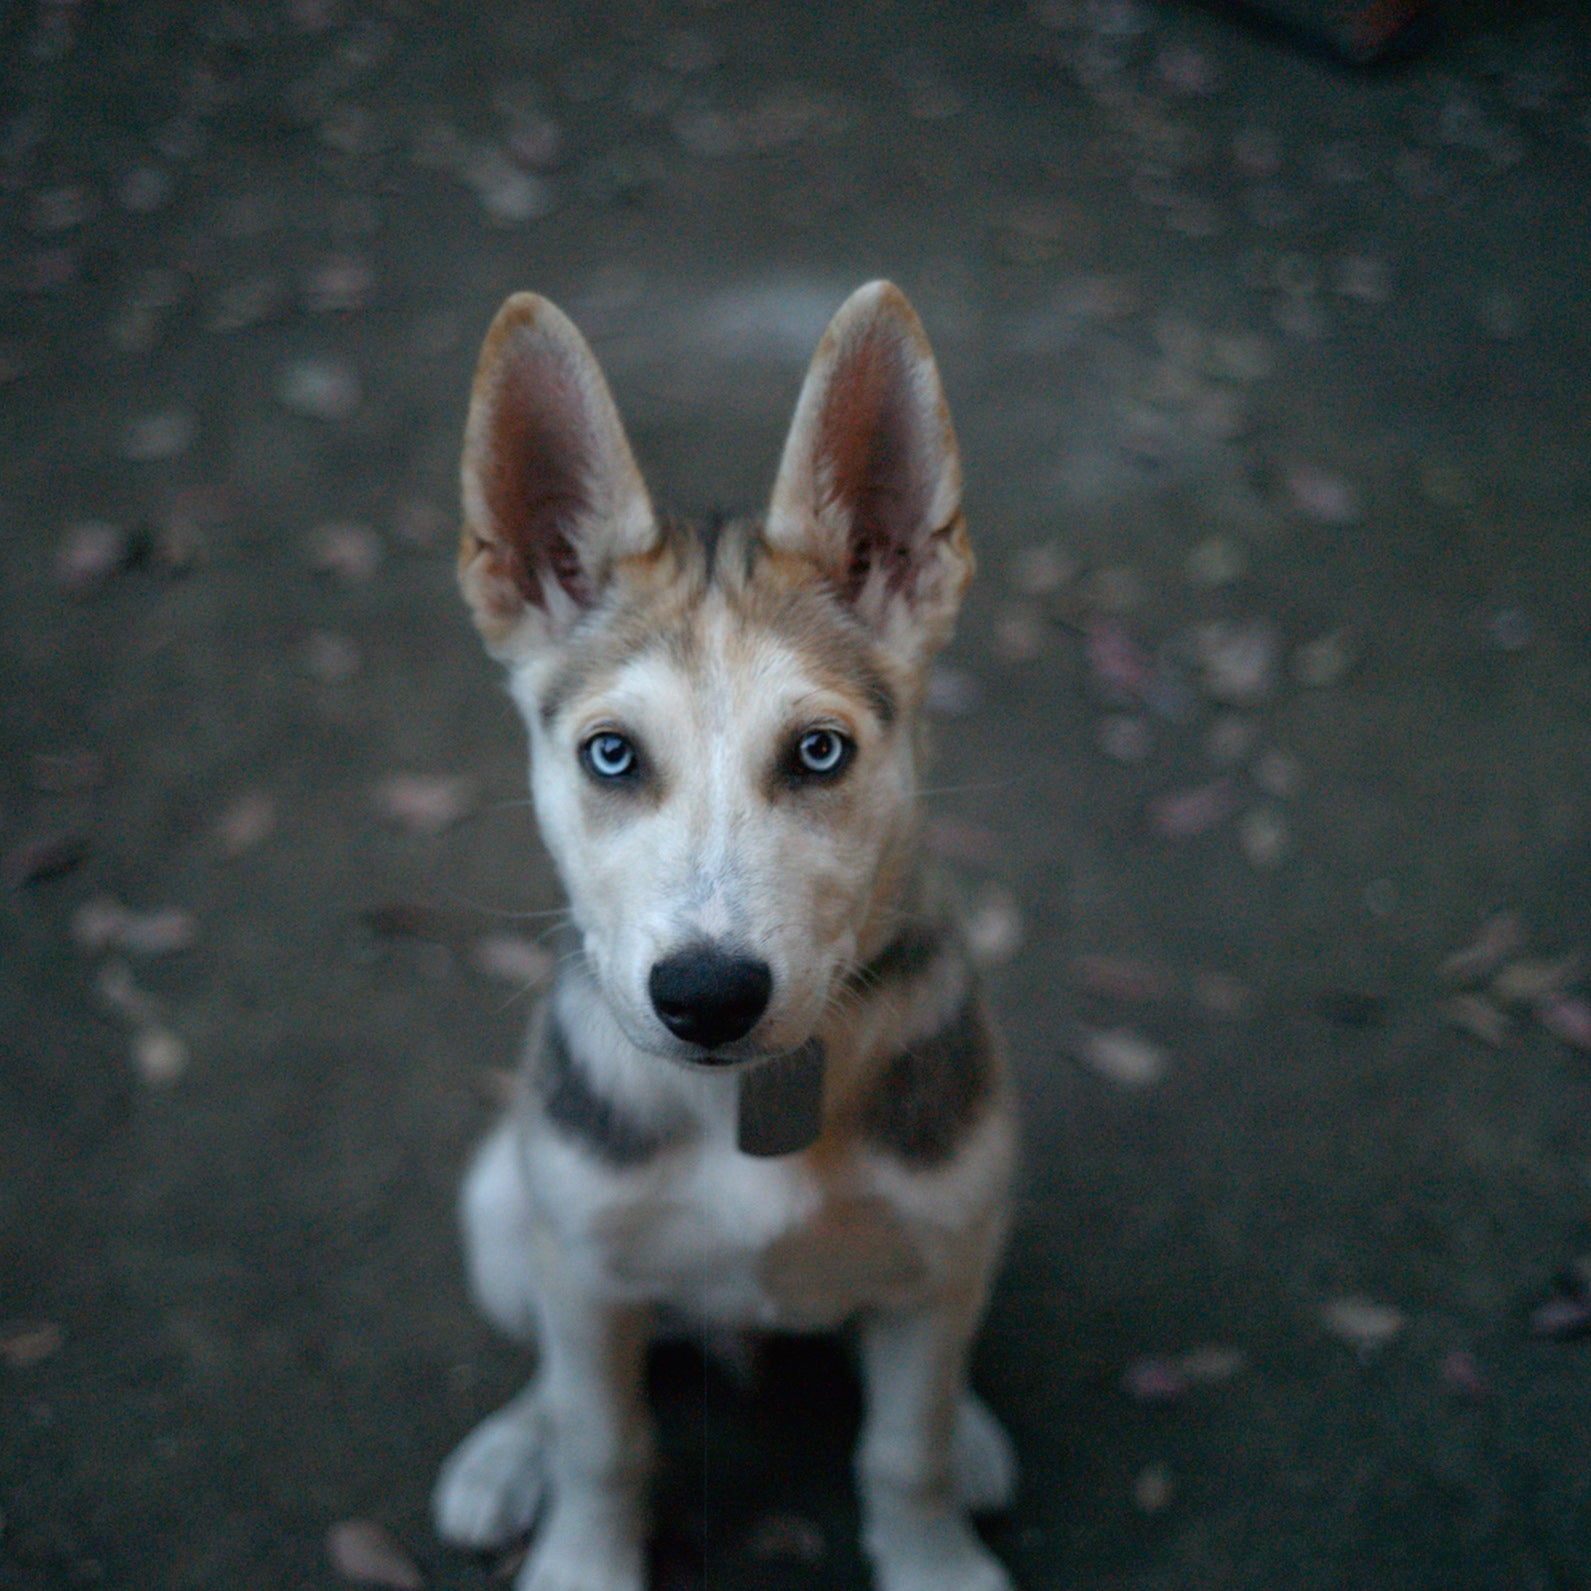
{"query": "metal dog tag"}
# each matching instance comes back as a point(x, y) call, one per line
point(781, 1103)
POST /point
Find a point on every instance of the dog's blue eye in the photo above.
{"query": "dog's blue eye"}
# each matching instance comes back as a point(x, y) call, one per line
point(609, 756)
point(822, 752)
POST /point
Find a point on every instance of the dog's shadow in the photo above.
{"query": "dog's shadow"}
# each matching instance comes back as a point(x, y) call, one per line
point(755, 1486)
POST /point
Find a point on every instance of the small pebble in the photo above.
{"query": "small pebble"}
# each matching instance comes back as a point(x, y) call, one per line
point(1153, 1489)
point(1124, 1057)
point(1182, 814)
point(423, 803)
point(1364, 1325)
point(350, 551)
point(160, 1056)
point(1125, 737)
point(514, 959)
point(246, 824)
point(1262, 834)
point(1216, 561)
point(323, 389)
point(366, 1553)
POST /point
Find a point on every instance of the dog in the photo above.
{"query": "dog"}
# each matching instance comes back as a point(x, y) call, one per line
point(764, 1091)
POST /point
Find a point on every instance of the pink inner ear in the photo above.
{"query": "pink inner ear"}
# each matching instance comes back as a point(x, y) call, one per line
point(535, 473)
point(870, 457)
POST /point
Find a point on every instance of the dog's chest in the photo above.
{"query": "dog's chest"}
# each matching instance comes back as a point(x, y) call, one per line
point(770, 1244)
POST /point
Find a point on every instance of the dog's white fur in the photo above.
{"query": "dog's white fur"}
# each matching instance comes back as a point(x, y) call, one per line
point(588, 1210)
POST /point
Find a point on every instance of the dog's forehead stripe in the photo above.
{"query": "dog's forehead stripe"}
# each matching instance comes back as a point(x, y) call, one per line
point(672, 620)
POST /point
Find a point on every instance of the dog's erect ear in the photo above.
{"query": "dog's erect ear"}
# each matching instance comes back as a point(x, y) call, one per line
point(869, 487)
point(552, 497)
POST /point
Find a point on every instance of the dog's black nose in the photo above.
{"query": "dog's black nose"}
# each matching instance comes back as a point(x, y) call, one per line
point(708, 997)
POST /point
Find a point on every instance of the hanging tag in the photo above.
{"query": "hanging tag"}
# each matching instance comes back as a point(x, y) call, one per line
point(781, 1103)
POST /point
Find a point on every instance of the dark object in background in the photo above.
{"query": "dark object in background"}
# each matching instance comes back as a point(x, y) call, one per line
point(1360, 32)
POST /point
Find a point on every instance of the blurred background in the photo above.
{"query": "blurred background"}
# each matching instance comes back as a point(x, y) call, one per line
point(1263, 762)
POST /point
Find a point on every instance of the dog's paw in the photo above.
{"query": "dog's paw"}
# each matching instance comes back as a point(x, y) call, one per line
point(982, 1460)
point(939, 1553)
point(581, 1552)
point(491, 1485)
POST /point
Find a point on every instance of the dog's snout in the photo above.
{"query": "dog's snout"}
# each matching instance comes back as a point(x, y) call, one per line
point(708, 997)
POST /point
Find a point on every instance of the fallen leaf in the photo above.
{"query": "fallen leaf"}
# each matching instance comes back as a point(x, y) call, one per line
point(24, 1343)
point(246, 824)
point(423, 803)
point(1477, 1016)
point(1122, 1056)
point(366, 1553)
point(1361, 1323)
point(45, 856)
point(1500, 935)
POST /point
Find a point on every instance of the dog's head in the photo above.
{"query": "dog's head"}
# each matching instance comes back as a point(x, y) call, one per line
point(723, 723)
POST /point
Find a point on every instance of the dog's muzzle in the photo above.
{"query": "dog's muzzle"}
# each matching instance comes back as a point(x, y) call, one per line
point(706, 996)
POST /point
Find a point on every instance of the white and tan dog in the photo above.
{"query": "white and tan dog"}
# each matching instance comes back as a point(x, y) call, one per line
point(764, 1092)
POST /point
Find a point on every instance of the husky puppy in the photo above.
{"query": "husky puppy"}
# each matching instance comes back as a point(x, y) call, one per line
point(764, 1092)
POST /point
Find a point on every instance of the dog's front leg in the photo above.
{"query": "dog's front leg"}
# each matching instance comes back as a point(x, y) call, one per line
point(591, 1384)
point(915, 1525)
